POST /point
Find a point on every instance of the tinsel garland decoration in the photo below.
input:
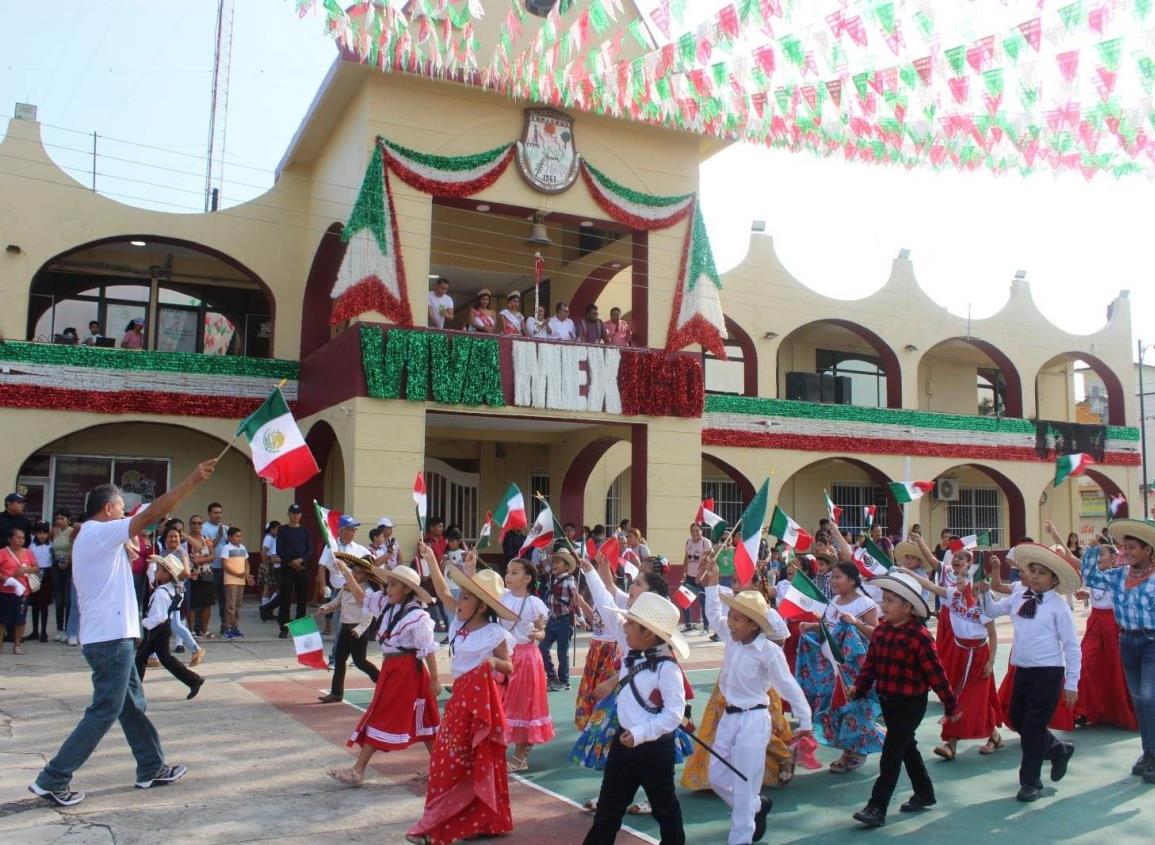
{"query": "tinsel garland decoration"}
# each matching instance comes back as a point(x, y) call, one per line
point(886, 446)
point(416, 364)
point(696, 316)
point(454, 370)
point(107, 402)
point(483, 375)
point(447, 176)
point(660, 385)
point(99, 357)
point(632, 208)
point(765, 407)
point(447, 368)
point(373, 361)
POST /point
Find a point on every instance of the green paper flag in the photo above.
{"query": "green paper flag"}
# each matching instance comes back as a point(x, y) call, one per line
point(956, 56)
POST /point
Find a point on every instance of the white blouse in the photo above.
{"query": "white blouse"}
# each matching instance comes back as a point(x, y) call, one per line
point(859, 607)
point(415, 631)
point(468, 649)
point(966, 623)
point(530, 608)
point(602, 600)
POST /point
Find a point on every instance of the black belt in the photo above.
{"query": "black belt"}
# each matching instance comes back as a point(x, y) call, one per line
point(1145, 631)
point(733, 710)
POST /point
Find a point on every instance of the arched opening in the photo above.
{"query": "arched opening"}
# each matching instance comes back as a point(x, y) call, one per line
point(316, 304)
point(852, 484)
point(145, 459)
point(1077, 387)
point(971, 377)
point(190, 297)
point(727, 486)
point(839, 362)
point(1083, 505)
point(737, 374)
point(328, 486)
point(984, 502)
point(573, 485)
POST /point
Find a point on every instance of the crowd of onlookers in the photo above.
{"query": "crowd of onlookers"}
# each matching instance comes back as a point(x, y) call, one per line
point(133, 337)
point(480, 316)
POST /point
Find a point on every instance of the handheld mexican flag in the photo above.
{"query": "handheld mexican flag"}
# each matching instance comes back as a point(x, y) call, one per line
point(421, 500)
point(542, 532)
point(871, 560)
point(801, 599)
point(511, 512)
point(958, 544)
point(752, 520)
point(868, 513)
point(328, 520)
point(280, 455)
point(905, 492)
point(486, 534)
point(307, 643)
point(713, 524)
point(1115, 504)
point(833, 652)
point(684, 597)
point(1070, 465)
point(833, 512)
point(789, 531)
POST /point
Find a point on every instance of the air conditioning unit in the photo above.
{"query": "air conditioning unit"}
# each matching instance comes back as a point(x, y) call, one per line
point(946, 489)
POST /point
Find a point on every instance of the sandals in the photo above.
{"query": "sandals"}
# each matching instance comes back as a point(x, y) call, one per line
point(991, 746)
point(785, 772)
point(347, 777)
point(847, 763)
point(946, 751)
point(17, 650)
point(517, 764)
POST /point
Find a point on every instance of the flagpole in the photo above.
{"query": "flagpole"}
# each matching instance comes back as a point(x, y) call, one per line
point(717, 756)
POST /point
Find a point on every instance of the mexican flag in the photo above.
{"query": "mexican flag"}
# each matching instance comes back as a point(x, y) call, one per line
point(327, 520)
point(789, 531)
point(868, 513)
point(871, 560)
point(611, 550)
point(1115, 504)
point(307, 643)
point(486, 534)
point(905, 492)
point(541, 534)
point(714, 525)
point(421, 500)
point(511, 512)
point(280, 455)
point(833, 512)
point(801, 599)
point(746, 552)
point(958, 544)
point(1070, 465)
point(833, 653)
point(684, 597)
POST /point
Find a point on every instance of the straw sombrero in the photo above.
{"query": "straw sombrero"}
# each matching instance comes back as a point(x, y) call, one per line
point(487, 586)
point(906, 588)
point(408, 576)
point(906, 548)
point(1139, 529)
point(567, 557)
point(1069, 577)
point(753, 604)
point(656, 614)
point(172, 563)
point(354, 562)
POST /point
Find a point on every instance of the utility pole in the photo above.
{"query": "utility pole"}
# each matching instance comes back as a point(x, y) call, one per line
point(1143, 427)
point(219, 104)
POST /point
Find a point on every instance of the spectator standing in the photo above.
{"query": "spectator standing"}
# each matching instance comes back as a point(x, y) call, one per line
point(618, 331)
point(133, 334)
point(346, 542)
point(294, 549)
point(62, 571)
point(270, 571)
point(95, 333)
point(389, 550)
point(41, 549)
point(561, 327)
point(16, 564)
point(13, 517)
point(235, 566)
point(591, 329)
point(882, 541)
point(511, 320)
point(215, 531)
point(202, 584)
point(481, 316)
point(697, 546)
point(537, 326)
point(440, 304)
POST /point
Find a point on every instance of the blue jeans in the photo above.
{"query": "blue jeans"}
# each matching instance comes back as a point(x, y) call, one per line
point(116, 695)
point(557, 630)
point(73, 627)
point(1137, 652)
point(219, 585)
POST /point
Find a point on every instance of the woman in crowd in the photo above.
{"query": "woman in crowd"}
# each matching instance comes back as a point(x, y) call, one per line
point(62, 571)
point(269, 572)
point(481, 316)
point(173, 544)
point(537, 326)
point(16, 564)
point(133, 334)
point(512, 320)
point(203, 591)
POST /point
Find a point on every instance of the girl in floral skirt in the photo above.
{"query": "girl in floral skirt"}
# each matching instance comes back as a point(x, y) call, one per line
point(601, 665)
point(525, 697)
point(851, 618)
point(468, 795)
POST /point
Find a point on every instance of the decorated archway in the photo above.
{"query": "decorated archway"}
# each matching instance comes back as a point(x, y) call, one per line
point(1108, 393)
point(852, 484)
point(315, 333)
point(996, 377)
point(821, 346)
point(745, 485)
point(328, 486)
point(1015, 527)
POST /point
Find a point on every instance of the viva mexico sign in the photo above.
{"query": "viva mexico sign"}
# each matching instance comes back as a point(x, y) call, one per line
point(473, 370)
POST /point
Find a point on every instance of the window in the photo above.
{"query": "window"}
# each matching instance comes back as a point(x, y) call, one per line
point(453, 494)
point(63, 481)
point(991, 393)
point(725, 376)
point(614, 503)
point(979, 510)
point(867, 379)
point(538, 483)
point(854, 499)
point(727, 498)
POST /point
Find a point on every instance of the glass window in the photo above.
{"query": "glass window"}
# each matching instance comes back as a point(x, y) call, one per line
point(141, 479)
point(727, 499)
point(991, 390)
point(69, 314)
point(538, 483)
point(614, 500)
point(979, 510)
point(177, 329)
point(167, 296)
point(131, 293)
point(854, 498)
point(74, 477)
point(220, 335)
point(867, 378)
point(118, 318)
point(728, 376)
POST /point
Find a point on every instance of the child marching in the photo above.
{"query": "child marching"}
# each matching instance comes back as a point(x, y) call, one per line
point(468, 793)
point(354, 574)
point(1046, 660)
point(902, 665)
point(157, 627)
point(651, 700)
point(751, 665)
point(404, 706)
point(525, 696)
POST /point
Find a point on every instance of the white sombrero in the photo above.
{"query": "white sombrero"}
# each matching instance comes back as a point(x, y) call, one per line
point(407, 576)
point(907, 548)
point(487, 586)
point(1069, 578)
point(659, 615)
point(752, 604)
point(906, 588)
point(171, 562)
point(1138, 529)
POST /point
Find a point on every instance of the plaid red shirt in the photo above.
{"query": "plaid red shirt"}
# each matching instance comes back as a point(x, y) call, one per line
point(902, 660)
point(562, 596)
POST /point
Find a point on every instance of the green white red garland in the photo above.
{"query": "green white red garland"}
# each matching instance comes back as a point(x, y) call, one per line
point(447, 176)
point(634, 208)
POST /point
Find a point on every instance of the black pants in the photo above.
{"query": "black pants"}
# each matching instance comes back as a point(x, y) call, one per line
point(350, 646)
point(155, 642)
point(1033, 700)
point(902, 713)
point(650, 766)
point(61, 595)
point(290, 581)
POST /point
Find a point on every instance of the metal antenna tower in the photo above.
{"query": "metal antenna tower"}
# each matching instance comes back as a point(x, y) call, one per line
point(219, 107)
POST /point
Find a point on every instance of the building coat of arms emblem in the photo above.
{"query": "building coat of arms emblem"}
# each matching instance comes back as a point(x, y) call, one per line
point(546, 155)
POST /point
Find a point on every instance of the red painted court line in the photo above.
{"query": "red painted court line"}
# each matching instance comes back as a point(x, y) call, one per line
point(537, 816)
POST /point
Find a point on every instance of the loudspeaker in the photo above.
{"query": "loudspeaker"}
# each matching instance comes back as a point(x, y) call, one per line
point(842, 390)
point(803, 387)
point(827, 387)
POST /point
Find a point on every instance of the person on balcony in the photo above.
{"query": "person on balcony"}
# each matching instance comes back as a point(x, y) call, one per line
point(481, 316)
point(591, 329)
point(440, 304)
point(95, 334)
point(511, 318)
point(536, 326)
point(618, 331)
point(561, 327)
point(133, 334)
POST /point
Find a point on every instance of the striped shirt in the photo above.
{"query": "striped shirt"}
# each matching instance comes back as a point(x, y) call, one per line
point(1134, 607)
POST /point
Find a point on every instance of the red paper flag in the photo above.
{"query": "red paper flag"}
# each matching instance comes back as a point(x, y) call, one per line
point(1032, 30)
point(611, 550)
point(1068, 64)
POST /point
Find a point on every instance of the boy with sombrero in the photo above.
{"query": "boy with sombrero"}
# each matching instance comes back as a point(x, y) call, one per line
point(902, 666)
point(751, 665)
point(1046, 659)
point(562, 600)
point(354, 574)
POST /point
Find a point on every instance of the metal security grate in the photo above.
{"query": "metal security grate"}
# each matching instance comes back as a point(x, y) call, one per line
point(853, 499)
point(727, 498)
point(978, 510)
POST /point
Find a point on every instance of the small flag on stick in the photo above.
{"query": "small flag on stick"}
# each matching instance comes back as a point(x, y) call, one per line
point(909, 491)
point(542, 533)
point(1115, 504)
point(327, 520)
point(511, 512)
point(486, 534)
point(421, 500)
point(280, 455)
point(868, 515)
point(801, 599)
point(833, 512)
point(1067, 466)
point(746, 552)
point(713, 524)
point(684, 597)
point(789, 531)
point(307, 643)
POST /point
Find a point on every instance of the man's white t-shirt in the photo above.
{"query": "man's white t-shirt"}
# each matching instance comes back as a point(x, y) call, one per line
point(102, 575)
point(439, 308)
point(562, 329)
point(336, 579)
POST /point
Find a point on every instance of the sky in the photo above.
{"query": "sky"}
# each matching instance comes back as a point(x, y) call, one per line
point(138, 74)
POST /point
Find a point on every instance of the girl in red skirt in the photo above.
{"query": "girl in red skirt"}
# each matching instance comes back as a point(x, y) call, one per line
point(404, 706)
point(1103, 695)
point(525, 697)
point(968, 655)
point(468, 795)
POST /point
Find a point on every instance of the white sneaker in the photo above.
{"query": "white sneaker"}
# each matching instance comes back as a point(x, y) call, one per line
point(73, 641)
point(60, 637)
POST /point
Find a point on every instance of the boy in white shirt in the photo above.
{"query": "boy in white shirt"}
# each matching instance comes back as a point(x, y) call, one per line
point(1046, 657)
point(751, 665)
point(158, 626)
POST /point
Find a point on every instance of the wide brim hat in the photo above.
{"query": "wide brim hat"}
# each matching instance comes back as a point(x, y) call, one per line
point(823, 556)
point(658, 615)
point(906, 548)
point(487, 586)
point(567, 557)
point(1069, 577)
point(172, 563)
point(355, 563)
point(906, 588)
point(407, 576)
point(1141, 529)
point(752, 604)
